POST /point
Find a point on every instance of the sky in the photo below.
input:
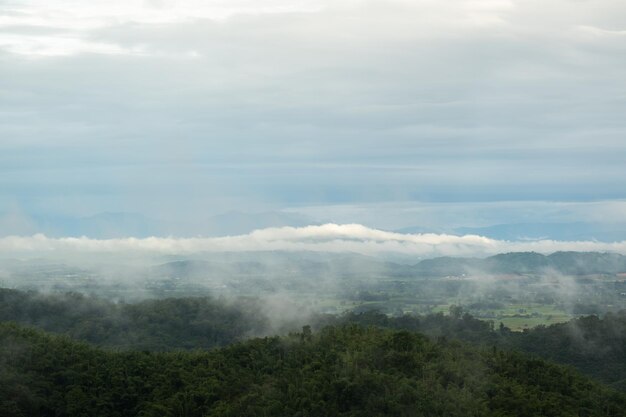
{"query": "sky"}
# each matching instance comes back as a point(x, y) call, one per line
point(387, 113)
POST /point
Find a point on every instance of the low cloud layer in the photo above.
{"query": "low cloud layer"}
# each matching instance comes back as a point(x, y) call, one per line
point(325, 238)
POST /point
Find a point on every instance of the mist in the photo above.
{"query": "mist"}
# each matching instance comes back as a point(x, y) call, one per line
point(333, 238)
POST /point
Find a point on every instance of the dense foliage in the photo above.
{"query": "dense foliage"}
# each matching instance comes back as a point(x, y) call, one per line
point(340, 371)
point(185, 323)
point(596, 346)
point(457, 325)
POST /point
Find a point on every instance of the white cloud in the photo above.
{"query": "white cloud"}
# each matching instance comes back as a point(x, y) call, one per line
point(70, 24)
point(340, 20)
point(325, 238)
point(80, 15)
point(48, 46)
point(344, 101)
point(602, 32)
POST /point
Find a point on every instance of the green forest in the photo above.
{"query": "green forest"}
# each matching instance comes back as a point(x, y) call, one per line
point(347, 370)
point(76, 355)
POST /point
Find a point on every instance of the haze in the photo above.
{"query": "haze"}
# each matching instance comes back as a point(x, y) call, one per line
point(415, 116)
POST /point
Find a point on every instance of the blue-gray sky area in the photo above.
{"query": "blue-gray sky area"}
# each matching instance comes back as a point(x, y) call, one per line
point(434, 114)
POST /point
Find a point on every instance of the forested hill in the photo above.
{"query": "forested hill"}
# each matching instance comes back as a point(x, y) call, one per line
point(568, 263)
point(305, 266)
point(173, 323)
point(340, 371)
point(595, 346)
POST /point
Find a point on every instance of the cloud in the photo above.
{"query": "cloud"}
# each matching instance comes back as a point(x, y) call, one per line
point(307, 102)
point(325, 238)
point(60, 46)
point(69, 24)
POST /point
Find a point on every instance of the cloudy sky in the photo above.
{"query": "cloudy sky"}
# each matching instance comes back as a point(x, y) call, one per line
point(346, 110)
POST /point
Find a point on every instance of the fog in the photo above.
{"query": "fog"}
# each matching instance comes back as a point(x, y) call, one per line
point(295, 272)
point(351, 238)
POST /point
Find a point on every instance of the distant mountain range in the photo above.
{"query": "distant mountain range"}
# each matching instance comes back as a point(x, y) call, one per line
point(573, 231)
point(312, 264)
point(300, 272)
point(238, 223)
point(569, 263)
point(120, 224)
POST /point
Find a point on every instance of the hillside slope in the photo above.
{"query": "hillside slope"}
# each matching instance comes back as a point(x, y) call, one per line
point(340, 371)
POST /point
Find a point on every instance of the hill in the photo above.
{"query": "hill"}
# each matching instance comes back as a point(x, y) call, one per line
point(339, 371)
point(172, 323)
point(595, 346)
point(568, 263)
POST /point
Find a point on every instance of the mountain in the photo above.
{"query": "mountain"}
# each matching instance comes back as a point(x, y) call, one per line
point(574, 231)
point(306, 266)
point(447, 265)
point(107, 225)
point(110, 225)
point(569, 263)
point(118, 225)
point(302, 265)
point(238, 223)
point(418, 230)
